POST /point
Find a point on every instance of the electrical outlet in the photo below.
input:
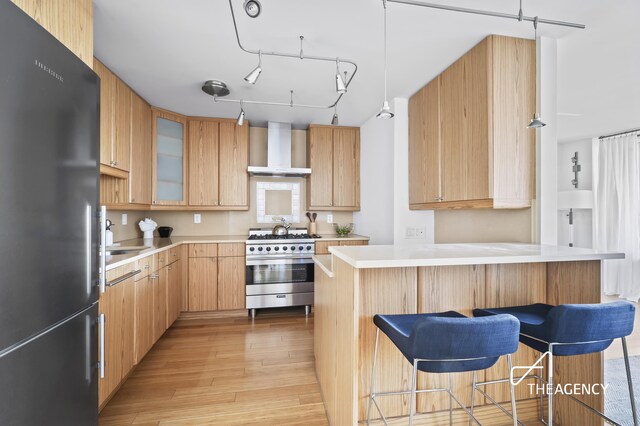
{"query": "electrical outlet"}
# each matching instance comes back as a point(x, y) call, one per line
point(197, 218)
point(124, 218)
point(329, 218)
point(410, 232)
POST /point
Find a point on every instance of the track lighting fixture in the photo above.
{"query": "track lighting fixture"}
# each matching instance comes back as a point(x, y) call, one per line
point(252, 8)
point(252, 77)
point(341, 87)
point(536, 122)
point(385, 112)
point(240, 121)
point(334, 120)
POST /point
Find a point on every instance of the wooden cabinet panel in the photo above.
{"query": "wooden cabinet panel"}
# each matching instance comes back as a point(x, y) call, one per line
point(231, 283)
point(203, 286)
point(424, 144)
point(322, 247)
point(320, 160)
point(107, 113)
point(346, 167)
point(175, 253)
point(140, 168)
point(354, 243)
point(231, 249)
point(144, 330)
point(117, 304)
point(160, 283)
point(203, 163)
point(122, 119)
point(203, 250)
point(146, 266)
point(174, 292)
point(70, 21)
point(162, 259)
point(184, 284)
point(234, 160)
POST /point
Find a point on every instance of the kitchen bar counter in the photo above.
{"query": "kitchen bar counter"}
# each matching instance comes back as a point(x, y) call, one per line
point(370, 280)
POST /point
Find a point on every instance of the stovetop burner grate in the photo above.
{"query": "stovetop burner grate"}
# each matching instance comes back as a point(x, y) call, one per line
point(283, 237)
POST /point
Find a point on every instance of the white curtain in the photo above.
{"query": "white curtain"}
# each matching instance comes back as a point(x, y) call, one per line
point(616, 213)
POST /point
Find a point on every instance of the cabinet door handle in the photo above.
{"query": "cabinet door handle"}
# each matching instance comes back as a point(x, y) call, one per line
point(168, 268)
point(154, 276)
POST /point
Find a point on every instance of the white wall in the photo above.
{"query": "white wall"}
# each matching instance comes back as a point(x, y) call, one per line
point(375, 218)
point(384, 182)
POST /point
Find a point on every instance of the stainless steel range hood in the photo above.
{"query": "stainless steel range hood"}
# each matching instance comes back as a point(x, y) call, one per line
point(279, 154)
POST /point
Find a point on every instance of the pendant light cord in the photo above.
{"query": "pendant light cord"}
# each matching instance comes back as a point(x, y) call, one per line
point(384, 4)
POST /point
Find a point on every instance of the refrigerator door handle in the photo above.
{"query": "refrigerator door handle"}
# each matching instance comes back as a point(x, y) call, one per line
point(103, 249)
point(101, 321)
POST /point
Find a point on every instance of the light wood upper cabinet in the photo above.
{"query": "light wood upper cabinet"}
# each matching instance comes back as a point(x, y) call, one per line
point(424, 151)
point(107, 113)
point(122, 120)
point(231, 282)
point(334, 157)
point(140, 171)
point(169, 167)
point(234, 161)
point(70, 21)
point(468, 142)
point(203, 163)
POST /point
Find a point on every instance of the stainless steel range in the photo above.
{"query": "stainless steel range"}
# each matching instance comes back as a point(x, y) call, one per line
point(279, 269)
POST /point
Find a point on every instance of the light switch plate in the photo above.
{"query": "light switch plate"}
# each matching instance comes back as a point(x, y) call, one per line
point(124, 218)
point(197, 218)
point(420, 232)
point(329, 218)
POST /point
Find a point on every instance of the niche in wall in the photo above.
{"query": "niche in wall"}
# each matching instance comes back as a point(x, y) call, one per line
point(275, 200)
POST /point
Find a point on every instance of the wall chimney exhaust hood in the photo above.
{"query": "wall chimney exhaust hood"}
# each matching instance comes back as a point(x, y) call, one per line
point(279, 154)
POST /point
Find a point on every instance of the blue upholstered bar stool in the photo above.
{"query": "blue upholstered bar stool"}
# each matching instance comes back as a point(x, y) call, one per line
point(567, 330)
point(445, 342)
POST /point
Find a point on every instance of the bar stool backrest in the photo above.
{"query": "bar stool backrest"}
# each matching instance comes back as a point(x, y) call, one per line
point(442, 338)
point(590, 322)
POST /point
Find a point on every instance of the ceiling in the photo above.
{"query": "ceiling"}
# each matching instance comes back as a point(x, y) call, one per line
point(166, 49)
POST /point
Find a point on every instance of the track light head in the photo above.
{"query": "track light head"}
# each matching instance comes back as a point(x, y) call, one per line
point(536, 122)
point(385, 112)
point(341, 87)
point(240, 121)
point(252, 77)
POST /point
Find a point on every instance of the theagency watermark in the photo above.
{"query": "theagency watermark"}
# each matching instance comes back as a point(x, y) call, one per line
point(545, 388)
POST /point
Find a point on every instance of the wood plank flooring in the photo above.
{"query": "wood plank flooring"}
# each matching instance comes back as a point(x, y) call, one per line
point(234, 371)
point(225, 371)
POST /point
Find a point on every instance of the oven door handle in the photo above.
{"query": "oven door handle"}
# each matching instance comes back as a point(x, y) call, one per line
point(272, 261)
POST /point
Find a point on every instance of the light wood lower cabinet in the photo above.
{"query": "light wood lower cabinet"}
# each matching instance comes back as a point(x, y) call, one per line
point(203, 284)
point(160, 284)
point(117, 304)
point(174, 291)
point(216, 277)
point(144, 325)
point(231, 283)
point(322, 247)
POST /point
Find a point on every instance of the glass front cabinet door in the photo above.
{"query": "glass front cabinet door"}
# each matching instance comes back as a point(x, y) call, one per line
point(169, 159)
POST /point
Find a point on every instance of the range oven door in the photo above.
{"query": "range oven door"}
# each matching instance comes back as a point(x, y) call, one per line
point(274, 276)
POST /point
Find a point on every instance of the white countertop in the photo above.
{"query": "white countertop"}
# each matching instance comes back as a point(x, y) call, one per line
point(396, 256)
point(325, 262)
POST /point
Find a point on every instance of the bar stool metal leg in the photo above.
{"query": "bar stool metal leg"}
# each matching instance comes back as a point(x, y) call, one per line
point(629, 382)
point(450, 401)
point(414, 381)
point(373, 376)
point(549, 387)
point(513, 394)
point(473, 394)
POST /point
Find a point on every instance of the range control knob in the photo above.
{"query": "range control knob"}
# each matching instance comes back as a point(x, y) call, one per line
point(268, 248)
point(285, 248)
point(276, 248)
point(300, 248)
point(259, 248)
point(252, 248)
point(308, 247)
point(293, 247)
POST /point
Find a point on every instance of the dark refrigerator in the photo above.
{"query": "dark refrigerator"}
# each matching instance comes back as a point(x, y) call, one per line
point(49, 226)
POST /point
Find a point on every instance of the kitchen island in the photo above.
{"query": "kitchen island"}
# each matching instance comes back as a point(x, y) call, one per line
point(355, 283)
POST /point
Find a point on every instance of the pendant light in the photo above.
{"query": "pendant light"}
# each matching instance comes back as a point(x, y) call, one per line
point(385, 112)
point(240, 121)
point(252, 77)
point(536, 122)
point(341, 87)
point(334, 120)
